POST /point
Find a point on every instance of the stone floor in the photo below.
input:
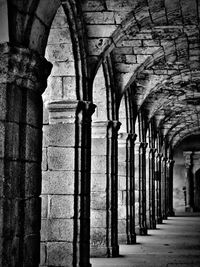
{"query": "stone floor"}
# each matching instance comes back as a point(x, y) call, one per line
point(176, 242)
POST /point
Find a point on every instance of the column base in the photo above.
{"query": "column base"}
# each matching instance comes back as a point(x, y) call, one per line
point(164, 217)
point(131, 239)
point(127, 239)
point(171, 213)
point(143, 231)
point(114, 252)
point(104, 252)
point(159, 220)
point(153, 224)
point(189, 209)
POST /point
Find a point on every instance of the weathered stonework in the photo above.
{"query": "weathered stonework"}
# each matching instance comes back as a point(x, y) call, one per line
point(21, 142)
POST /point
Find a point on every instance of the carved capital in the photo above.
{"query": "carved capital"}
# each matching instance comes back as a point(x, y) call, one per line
point(84, 111)
point(113, 128)
point(23, 67)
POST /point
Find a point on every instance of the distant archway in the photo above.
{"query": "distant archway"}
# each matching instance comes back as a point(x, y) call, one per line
point(197, 190)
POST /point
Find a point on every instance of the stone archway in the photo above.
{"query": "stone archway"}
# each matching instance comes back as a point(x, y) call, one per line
point(197, 190)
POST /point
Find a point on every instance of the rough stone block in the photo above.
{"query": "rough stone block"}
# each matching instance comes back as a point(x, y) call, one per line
point(99, 146)
point(44, 212)
point(69, 87)
point(98, 200)
point(45, 115)
point(121, 212)
point(93, 5)
point(122, 226)
point(55, 87)
point(44, 159)
point(122, 168)
point(59, 254)
point(14, 98)
point(34, 109)
point(3, 112)
point(99, 17)
point(33, 144)
point(60, 158)
point(61, 206)
point(59, 135)
point(33, 215)
point(13, 179)
point(98, 218)
point(57, 36)
point(98, 164)
point(122, 154)
point(59, 21)
point(60, 52)
point(63, 69)
point(130, 59)
point(32, 250)
point(121, 182)
point(101, 30)
point(58, 182)
point(43, 253)
point(141, 58)
point(98, 182)
point(98, 238)
point(57, 230)
point(11, 133)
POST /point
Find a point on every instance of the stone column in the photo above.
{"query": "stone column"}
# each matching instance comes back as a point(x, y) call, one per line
point(152, 219)
point(112, 172)
point(158, 187)
point(163, 187)
point(131, 235)
point(170, 187)
point(189, 181)
point(148, 187)
point(66, 184)
point(104, 234)
point(23, 76)
point(123, 189)
point(100, 225)
point(140, 187)
point(126, 191)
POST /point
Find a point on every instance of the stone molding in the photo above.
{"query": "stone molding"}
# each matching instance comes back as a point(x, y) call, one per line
point(69, 111)
point(24, 67)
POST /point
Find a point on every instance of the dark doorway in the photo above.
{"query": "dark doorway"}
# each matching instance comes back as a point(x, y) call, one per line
point(197, 191)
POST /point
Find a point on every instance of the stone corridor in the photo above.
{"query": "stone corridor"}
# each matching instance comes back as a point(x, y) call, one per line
point(175, 243)
point(99, 129)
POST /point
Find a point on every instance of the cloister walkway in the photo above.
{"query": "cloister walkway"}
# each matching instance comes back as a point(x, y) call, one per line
point(176, 242)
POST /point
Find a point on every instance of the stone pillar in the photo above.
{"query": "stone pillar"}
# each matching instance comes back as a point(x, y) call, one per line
point(152, 219)
point(170, 187)
point(158, 187)
point(104, 234)
point(163, 187)
point(126, 198)
point(148, 187)
point(112, 172)
point(66, 184)
point(189, 181)
point(23, 76)
point(100, 226)
point(140, 187)
point(131, 235)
